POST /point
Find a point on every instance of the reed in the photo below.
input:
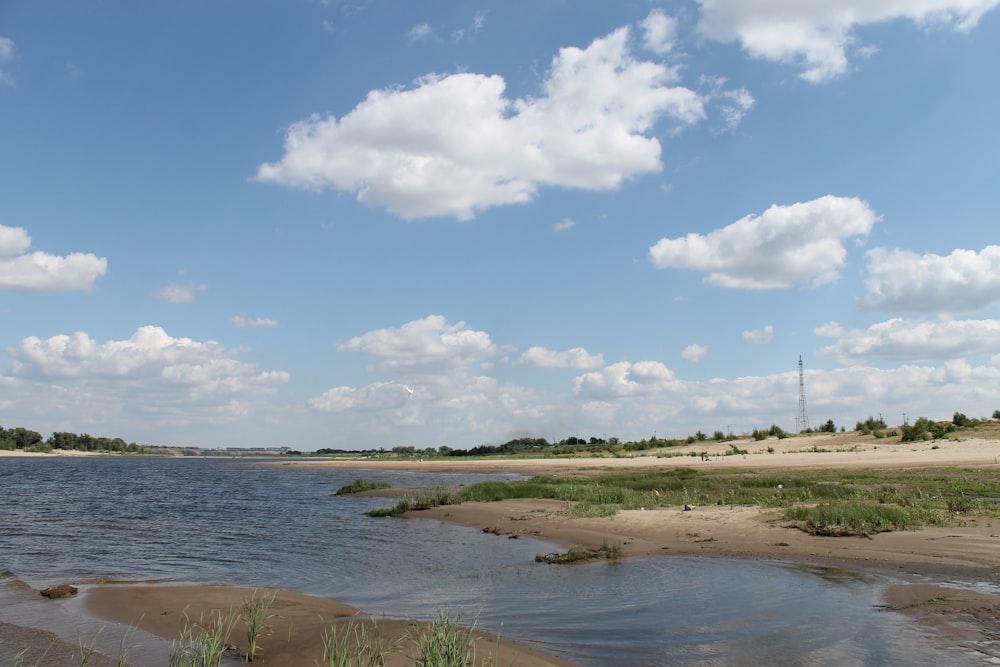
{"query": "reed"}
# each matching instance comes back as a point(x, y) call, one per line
point(356, 644)
point(203, 644)
point(255, 617)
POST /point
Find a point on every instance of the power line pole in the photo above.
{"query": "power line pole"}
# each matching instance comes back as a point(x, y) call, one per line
point(802, 421)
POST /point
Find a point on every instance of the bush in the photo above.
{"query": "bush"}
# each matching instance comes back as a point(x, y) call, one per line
point(924, 429)
point(870, 425)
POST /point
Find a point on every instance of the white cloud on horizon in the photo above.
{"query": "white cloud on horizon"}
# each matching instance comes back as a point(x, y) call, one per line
point(454, 145)
point(912, 340)
point(784, 246)
point(903, 281)
point(818, 36)
point(39, 272)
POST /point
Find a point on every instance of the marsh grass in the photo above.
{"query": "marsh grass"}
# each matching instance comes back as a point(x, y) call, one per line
point(444, 642)
point(577, 554)
point(255, 617)
point(359, 485)
point(855, 518)
point(931, 496)
point(356, 643)
point(205, 642)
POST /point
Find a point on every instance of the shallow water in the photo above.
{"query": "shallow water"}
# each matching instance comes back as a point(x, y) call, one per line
point(224, 521)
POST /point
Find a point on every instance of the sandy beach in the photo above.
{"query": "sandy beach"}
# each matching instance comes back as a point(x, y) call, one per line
point(925, 562)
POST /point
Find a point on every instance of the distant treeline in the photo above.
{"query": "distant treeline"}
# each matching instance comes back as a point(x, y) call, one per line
point(31, 441)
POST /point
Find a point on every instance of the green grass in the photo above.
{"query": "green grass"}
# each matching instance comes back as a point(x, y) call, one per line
point(579, 554)
point(359, 485)
point(860, 519)
point(929, 496)
point(255, 617)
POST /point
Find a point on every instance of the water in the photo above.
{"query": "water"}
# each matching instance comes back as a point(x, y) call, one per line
point(235, 522)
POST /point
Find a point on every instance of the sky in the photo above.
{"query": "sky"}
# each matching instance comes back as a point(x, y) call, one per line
point(359, 224)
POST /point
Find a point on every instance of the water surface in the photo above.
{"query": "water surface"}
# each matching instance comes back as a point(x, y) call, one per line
point(235, 522)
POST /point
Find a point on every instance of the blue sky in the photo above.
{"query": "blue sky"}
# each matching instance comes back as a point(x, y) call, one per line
point(259, 223)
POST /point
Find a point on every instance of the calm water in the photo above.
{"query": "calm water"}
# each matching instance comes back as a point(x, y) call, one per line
point(223, 521)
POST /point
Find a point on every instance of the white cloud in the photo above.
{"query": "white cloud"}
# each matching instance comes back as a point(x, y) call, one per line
point(564, 225)
point(626, 379)
point(577, 358)
point(733, 104)
point(659, 32)
point(694, 353)
point(912, 340)
point(150, 383)
point(175, 293)
point(430, 345)
point(455, 145)
point(150, 359)
point(759, 336)
point(818, 35)
point(253, 321)
point(903, 281)
point(7, 52)
point(785, 246)
point(420, 32)
point(21, 271)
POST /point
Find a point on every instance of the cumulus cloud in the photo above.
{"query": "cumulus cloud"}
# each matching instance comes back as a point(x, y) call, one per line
point(759, 336)
point(903, 281)
point(376, 396)
point(817, 36)
point(176, 293)
point(659, 32)
point(626, 379)
point(253, 321)
point(564, 225)
point(912, 340)
point(454, 145)
point(429, 345)
point(694, 353)
point(35, 272)
point(577, 358)
point(149, 356)
point(7, 52)
point(784, 246)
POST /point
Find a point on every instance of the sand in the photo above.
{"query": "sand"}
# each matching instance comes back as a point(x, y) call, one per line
point(926, 562)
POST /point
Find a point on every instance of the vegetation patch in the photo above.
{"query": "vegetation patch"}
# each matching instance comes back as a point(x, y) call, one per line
point(579, 554)
point(359, 485)
point(841, 519)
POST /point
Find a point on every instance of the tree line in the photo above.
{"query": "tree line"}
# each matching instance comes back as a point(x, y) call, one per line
point(31, 441)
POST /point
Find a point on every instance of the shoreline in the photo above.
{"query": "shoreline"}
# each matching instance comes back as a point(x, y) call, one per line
point(947, 579)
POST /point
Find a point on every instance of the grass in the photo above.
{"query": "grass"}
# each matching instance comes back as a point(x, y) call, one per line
point(825, 502)
point(579, 554)
point(203, 644)
point(359, 485)
point(255, 616)
point(861, 519)
point(444, 642)
point(353, 644)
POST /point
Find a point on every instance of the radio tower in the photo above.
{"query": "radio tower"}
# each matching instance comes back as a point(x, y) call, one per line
point(802, 420)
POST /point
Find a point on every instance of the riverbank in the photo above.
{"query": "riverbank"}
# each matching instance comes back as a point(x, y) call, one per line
point(949, 577)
